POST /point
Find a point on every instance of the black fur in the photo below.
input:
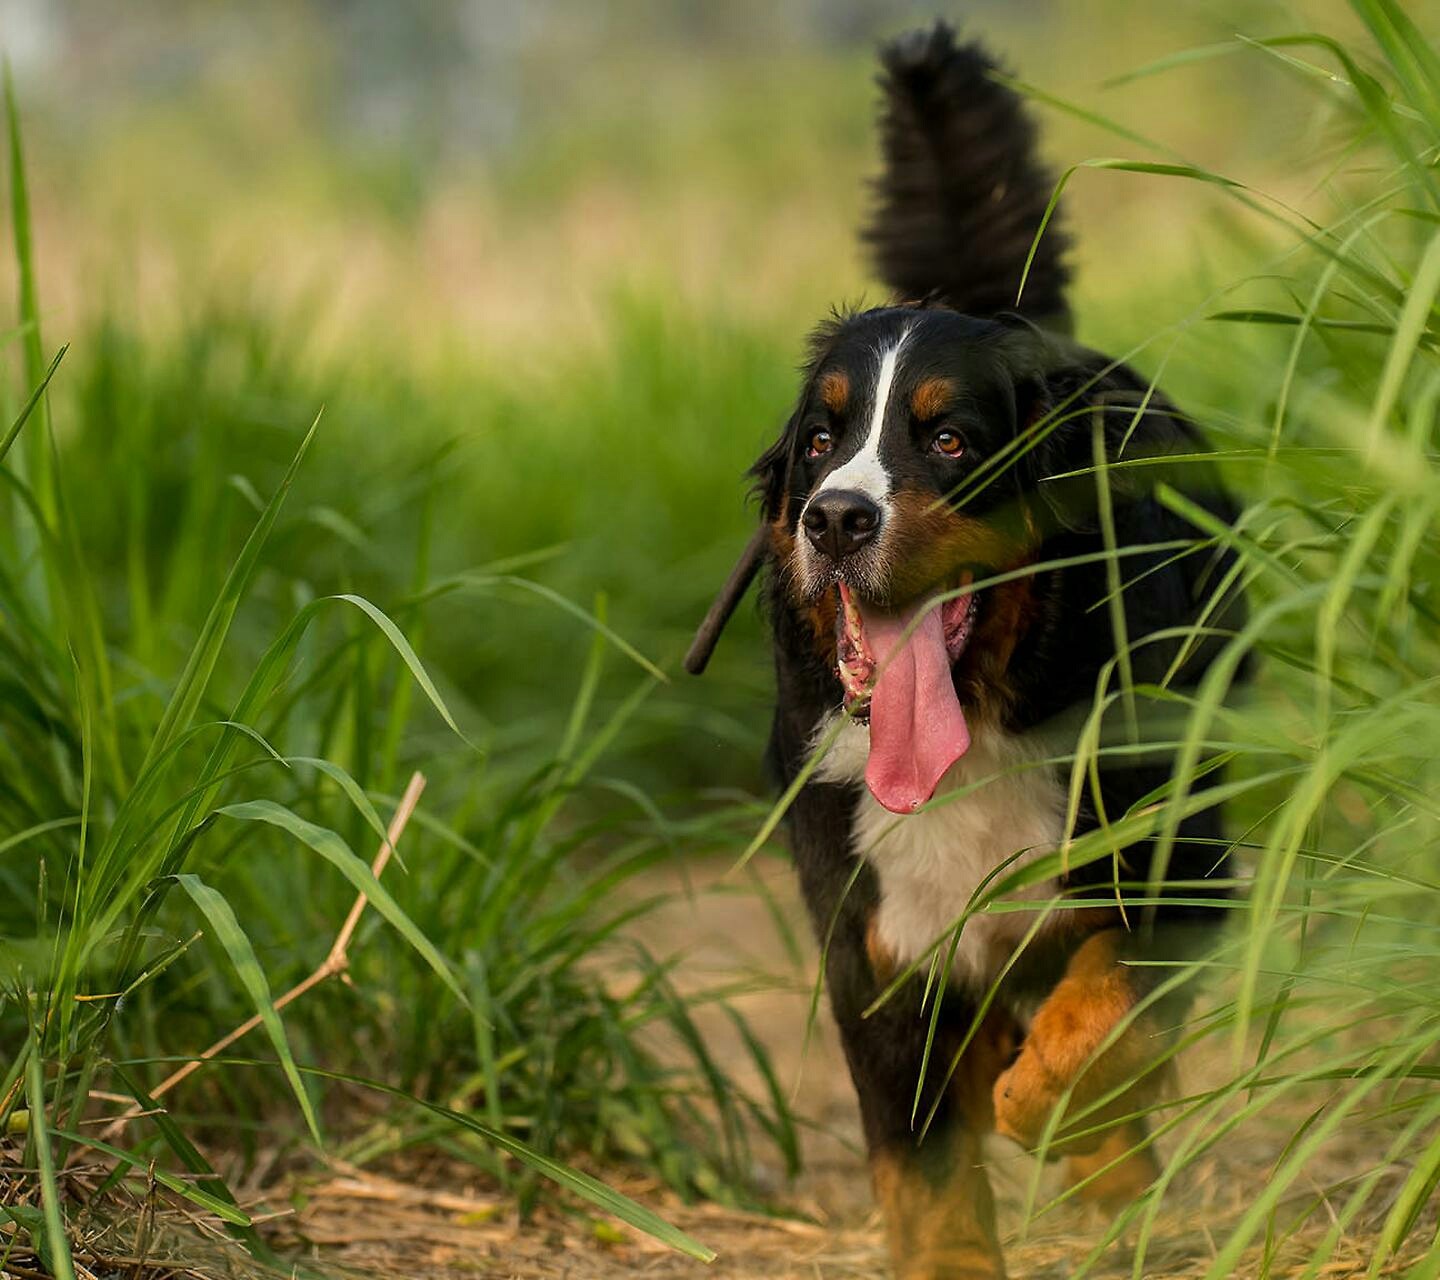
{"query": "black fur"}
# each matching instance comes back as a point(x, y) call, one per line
point(961, 197)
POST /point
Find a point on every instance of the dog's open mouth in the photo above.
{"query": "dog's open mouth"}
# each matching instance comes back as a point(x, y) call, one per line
point(895, 666)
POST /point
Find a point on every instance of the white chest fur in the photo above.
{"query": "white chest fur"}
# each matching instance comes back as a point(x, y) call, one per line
point(929, 864)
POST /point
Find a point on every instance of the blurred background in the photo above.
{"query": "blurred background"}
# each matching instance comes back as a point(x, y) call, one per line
point(580, 244)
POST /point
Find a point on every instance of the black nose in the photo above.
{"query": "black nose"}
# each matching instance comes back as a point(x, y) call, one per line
point(840, 522)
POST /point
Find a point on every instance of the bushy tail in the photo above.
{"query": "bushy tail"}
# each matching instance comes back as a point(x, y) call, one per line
point(962, 193)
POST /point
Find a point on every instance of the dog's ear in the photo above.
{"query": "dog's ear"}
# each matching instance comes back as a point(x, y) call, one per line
point(771, 476)
point(770, 473)
point(1078, 414)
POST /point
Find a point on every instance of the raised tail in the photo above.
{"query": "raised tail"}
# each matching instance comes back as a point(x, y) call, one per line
point(962, 192)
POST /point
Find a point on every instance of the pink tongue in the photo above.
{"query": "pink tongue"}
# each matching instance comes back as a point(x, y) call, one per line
point(917, 730)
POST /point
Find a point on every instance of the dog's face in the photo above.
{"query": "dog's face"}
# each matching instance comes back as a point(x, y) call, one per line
point(892, 489)
point(892, 486)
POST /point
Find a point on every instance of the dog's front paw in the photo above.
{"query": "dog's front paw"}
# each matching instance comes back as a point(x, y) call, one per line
point(1025, 1096)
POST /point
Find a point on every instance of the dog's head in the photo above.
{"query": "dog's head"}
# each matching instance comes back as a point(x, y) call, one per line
point(891, 478)
point(930, 456)
point(903, 476)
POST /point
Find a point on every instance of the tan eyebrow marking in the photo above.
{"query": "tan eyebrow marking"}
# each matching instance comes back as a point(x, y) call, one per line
point(931, 398)
point(835, 390)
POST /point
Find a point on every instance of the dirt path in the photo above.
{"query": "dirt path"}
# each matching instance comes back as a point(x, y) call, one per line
point(401, 1229)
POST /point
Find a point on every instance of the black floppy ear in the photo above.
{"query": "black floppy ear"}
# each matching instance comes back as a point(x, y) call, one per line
point(1073, 405)
point(771, 474)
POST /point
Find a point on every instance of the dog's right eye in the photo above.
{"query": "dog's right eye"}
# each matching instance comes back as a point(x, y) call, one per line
point(820, 442)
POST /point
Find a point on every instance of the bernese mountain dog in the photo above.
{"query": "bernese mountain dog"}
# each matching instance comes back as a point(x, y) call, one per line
point(978, 536)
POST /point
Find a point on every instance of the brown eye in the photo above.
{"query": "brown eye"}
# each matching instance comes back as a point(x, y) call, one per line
point(820, 442)
point(948, 443)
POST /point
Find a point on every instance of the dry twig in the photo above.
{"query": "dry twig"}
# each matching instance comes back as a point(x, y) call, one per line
point(335, 963)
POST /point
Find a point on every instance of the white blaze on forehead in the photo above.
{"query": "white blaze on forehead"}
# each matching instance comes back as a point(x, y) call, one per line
point(864, 472)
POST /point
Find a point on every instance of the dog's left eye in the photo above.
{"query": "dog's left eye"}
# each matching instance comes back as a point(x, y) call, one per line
point(820, 442)
point(948, 443)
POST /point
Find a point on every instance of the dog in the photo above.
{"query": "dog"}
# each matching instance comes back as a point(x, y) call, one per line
point(974, 532)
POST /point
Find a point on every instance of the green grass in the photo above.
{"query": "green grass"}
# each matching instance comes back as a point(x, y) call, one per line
point(228, 637)
point(200, 695)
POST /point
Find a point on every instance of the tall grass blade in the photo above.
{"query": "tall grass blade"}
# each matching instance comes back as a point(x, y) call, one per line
point(196, 676)
point(38, 450)
point(55, 1234)
point(335, 851)
point(30, 405)
point(252, 977)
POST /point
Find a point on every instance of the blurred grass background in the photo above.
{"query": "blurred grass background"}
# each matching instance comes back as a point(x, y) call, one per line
point(547, 269)
point(579, 246)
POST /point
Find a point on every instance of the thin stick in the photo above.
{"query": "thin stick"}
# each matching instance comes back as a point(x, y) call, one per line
point(336, 962)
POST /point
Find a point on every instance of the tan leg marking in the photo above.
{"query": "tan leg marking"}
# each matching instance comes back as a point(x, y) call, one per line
point(946, 1230)
point(882, 959)
point(1094, 997)
point(942, 1231)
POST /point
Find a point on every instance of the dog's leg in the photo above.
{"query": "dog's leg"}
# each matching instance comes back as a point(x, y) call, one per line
point(1061, 1052)
point(938, 1211)
point(944, 1226)
point(934, 1194)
